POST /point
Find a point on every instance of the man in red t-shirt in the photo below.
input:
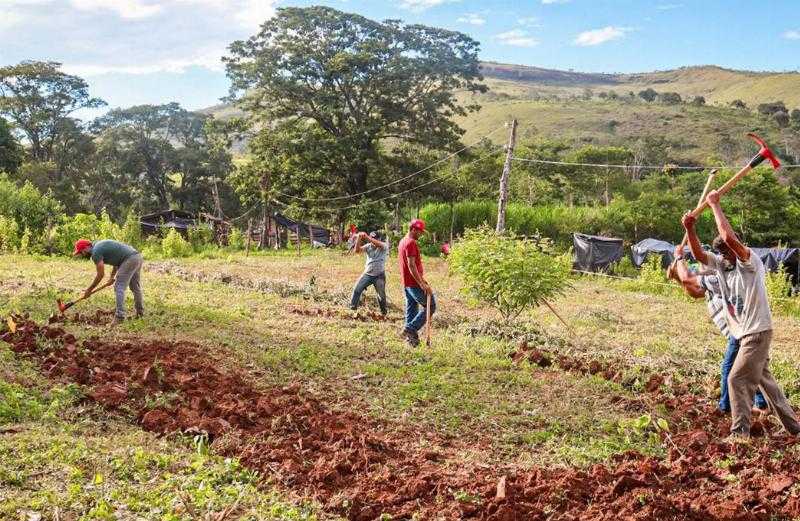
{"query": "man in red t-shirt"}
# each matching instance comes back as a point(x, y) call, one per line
point(416, 287)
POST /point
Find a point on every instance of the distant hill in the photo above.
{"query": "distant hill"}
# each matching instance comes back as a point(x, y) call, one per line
point(574, 106)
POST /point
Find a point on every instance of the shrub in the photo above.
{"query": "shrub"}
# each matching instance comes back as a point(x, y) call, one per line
point(131, 232)
point(174, 245)
point(779, 287)
point(625, 268)
point(9, 234)
point(79, 226)
point(236, 239)
point(26, 206)
point(508, 273)
point(200, 236)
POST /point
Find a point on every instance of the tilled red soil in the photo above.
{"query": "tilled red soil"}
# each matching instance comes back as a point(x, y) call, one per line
point(359, 467)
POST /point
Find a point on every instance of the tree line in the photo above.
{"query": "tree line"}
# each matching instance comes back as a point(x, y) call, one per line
point(338, 110)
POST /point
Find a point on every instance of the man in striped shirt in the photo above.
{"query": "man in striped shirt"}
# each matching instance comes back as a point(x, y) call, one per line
point(705, 285)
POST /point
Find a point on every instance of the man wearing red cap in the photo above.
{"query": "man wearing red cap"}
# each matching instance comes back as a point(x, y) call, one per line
point(126, 272)
point(416, 287)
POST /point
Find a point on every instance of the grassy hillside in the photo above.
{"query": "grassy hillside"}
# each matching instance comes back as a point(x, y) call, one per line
point(566, 105)
point(695, 133)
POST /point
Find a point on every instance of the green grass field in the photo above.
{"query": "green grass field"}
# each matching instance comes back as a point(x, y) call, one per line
point(61, 455)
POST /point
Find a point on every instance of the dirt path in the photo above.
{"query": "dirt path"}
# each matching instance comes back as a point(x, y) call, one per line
point(360, 467)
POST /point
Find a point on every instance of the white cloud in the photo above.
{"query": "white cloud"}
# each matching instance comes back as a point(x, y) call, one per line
point(421, 5)
point(598, 36)
point(668, 7)
point(9, 20)
point(128, 9)
point(517, 38)
point(546, 2)
point(791, 35)
point(529, 21)
point(472, 19)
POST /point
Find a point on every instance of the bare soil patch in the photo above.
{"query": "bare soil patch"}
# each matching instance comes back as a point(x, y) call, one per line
point(360, 467)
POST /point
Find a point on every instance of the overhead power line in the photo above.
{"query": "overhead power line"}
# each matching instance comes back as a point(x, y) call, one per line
point(392, 196)
point(409, 176)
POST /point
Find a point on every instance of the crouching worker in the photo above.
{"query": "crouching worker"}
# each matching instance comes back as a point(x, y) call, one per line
point(699, 286)
point(416, 287)
point(126, 272)
point(741, 278)
point(376, 251)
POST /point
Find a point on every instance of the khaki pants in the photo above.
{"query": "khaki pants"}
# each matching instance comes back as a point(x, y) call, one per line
point(750, 372)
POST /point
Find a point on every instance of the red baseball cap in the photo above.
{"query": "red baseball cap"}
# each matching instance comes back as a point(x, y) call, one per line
point(81, 245)
point(417, 224)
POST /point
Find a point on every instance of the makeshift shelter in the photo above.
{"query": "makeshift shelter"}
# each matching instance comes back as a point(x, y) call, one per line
point(154, 223)
point(789, 258)
point(595, 253)
point(319, 235)
point(643, 249)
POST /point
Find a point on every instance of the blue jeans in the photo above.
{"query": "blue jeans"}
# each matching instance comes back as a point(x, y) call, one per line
point(727, 363)
point(416, 317)
point(379, 281)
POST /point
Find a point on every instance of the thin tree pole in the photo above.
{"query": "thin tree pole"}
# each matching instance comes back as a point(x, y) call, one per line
point(503, 201)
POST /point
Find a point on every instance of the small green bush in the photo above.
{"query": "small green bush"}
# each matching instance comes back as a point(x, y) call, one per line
point(174, 245)
point(131, 231)
point(200, 236)
point(236, 239)
point(9, 234)
point(625, 268)
point(779, 287)
point(509, 273)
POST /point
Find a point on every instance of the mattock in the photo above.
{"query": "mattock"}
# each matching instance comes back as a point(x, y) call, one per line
point(763, 153)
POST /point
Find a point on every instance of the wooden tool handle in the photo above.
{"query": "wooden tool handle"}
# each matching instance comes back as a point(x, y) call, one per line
point(428, 321)
point(706, 189)
point(723, 189)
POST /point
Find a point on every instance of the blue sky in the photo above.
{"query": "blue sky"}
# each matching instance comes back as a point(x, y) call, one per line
point(156, 51)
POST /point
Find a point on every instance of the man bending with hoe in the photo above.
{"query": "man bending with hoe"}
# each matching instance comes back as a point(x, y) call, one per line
point(741, 274)
point(126, 272)
point(416, 287)
point(376, 251)
point(699, 286)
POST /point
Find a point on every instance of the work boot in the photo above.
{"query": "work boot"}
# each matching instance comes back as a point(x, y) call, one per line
point(117, 320)
point(411, 337)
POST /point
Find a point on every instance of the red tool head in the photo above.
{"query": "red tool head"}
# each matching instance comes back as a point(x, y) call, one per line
point(763, 153)
point(61, 306)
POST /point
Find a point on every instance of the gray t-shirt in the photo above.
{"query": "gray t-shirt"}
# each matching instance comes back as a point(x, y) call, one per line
point(745, 294)
point(375, 262)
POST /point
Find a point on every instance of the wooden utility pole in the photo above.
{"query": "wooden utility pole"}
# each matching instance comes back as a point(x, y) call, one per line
point(503, 202)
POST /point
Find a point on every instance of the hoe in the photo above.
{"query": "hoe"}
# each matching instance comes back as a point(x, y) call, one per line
point(62, 307)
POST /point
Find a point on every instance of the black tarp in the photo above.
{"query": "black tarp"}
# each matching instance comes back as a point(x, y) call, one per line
point(643, 249)
point(321, 235)
point(594, 253)
point(789, 258)
point(177, 219)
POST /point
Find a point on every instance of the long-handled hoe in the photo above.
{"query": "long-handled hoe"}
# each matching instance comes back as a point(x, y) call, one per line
point(62, 307)
point(428, 322)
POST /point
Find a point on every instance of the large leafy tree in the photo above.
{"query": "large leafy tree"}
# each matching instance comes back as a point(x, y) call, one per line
point(164, 155)
point(38, 98)
point(10, 150)
point(357, 82)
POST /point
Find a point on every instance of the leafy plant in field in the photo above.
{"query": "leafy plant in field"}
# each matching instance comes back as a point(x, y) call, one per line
point(174, 245)
point(509, 273)
point(9, 234)
point(200, 236)
point(779, 287)
point(236, 239)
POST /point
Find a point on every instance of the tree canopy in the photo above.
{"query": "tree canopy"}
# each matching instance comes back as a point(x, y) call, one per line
point(358, 82)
